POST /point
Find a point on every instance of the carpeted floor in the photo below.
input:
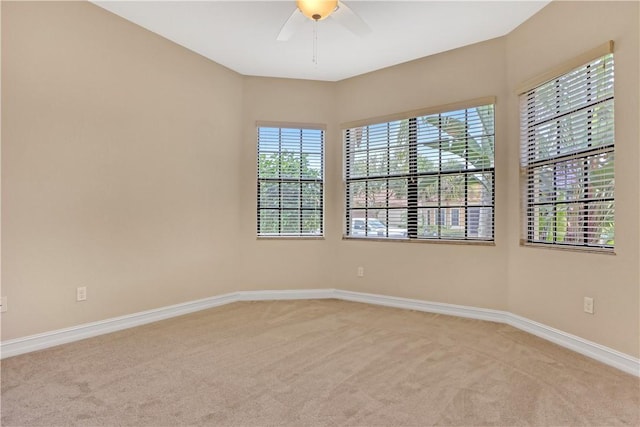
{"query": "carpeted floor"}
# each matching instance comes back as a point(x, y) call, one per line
point(315, 363)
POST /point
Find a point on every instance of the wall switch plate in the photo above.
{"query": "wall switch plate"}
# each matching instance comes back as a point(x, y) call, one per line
point(81, 293)
point(360, 271)
point(4, 306)
point(588, 305)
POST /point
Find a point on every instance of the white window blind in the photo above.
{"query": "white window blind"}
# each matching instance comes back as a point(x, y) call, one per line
point(290, 181)
point(567, 158)
point(427, 177)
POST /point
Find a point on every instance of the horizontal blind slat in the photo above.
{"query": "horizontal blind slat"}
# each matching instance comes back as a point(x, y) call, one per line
point(567, 155)
point(396, 170)
point(290, 173)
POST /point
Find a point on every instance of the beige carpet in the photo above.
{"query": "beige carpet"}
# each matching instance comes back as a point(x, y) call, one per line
point(315, 363)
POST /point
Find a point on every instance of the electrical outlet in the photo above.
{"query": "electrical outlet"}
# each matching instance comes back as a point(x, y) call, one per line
point(81, 293)
point(4, 306)
point(588, 305)
point(360, 271)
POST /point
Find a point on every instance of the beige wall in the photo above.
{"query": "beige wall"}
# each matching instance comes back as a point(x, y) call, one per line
point(128, 166)
point(457, 274)
point(118, 168)
point(549, 285)
point(284, 264)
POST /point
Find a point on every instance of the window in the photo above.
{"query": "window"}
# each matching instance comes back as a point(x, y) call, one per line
point(567, 158)
point(290, 181)
point(426, 176)
point(455, 217)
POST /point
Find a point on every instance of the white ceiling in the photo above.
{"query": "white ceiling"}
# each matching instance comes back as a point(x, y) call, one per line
point(241, 35)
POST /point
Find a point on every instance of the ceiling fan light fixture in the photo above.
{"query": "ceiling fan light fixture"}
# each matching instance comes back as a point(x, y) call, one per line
point(317, 10)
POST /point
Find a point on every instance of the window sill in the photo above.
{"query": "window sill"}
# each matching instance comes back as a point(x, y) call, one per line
point(567, 248)
point(436, 241)
point(289, 237)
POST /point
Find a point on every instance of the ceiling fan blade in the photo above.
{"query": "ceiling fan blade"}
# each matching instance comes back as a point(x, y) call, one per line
point(293, 24)
point(350, 20)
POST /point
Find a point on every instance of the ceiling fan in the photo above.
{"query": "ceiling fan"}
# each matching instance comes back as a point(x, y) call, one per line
point(317, 10)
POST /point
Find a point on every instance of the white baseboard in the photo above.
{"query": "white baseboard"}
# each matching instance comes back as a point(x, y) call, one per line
point(593, 350)
point(603, 354)
point(75, 333)
point(44, 340)
point(420, 305)
point(606, 355)
point(286, 294)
